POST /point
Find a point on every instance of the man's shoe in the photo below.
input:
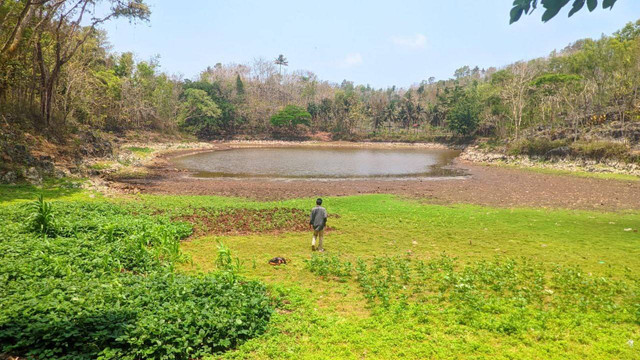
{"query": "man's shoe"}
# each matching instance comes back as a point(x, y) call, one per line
point(313, 248)
point(321, 250)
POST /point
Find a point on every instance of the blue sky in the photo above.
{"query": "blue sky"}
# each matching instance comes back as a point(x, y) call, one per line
point(381, 43)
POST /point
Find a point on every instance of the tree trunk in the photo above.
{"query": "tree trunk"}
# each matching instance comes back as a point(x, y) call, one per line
point(11, 45)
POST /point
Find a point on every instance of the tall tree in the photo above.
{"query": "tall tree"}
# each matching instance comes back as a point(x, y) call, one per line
point(239, 86)
point(281, 61)
point(515, 82)
point(58, 29)
point(463, 117)
point(199, 114)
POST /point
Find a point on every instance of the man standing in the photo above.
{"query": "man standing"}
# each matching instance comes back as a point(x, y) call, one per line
point(318, 222)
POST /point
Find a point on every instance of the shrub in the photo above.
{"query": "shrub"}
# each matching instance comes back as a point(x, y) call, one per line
point(600, 150)
point(291, 116)
point(594, 150)
point(158, 316)
point(292, 120)
point(535, 147)
point(464, 116)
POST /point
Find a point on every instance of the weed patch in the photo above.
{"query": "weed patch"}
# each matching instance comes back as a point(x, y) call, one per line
point(505, 297)
point(329, 266)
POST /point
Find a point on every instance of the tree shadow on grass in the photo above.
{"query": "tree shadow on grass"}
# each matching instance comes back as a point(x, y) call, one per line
point(50, 190)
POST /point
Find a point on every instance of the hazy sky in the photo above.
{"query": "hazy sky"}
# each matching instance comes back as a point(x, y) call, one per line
point(381, 43)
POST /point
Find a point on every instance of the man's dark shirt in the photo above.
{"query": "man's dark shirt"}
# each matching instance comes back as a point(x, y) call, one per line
point(318, 218)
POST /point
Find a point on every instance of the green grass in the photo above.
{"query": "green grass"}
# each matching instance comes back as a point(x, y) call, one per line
point(140, 151)
point(101, 165)
point(329, 315)
point(577, 173)
point(64, 189)
point(405, 279)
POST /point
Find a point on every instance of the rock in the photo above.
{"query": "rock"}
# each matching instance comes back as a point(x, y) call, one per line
point(9, 177)
point(32, 175)
point(95, 146)
point(472, 154)
point(562, 151)
point(46, 165)
point(19, 154)
point(61, 173)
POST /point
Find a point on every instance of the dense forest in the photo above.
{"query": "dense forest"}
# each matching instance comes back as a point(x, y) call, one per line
point(57, 75)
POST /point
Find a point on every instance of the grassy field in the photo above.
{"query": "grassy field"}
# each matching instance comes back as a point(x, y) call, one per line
point(333, 314)
point(578, 173)
point(406, 279)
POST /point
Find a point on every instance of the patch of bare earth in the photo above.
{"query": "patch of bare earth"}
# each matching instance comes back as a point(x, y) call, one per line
point(485, 185)
point(247, 221)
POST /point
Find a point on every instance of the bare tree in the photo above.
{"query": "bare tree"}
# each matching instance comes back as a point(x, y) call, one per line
point(514, 91)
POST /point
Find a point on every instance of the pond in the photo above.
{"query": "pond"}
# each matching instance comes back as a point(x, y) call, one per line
point(322, 162)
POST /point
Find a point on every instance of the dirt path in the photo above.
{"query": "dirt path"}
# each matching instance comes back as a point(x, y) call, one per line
point(485, 185)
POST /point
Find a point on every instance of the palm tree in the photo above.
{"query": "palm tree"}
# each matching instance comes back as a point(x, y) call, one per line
point(281, 60)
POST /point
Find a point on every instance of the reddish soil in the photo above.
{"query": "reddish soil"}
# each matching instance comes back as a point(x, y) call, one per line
point(247, 221)
point(485, 185)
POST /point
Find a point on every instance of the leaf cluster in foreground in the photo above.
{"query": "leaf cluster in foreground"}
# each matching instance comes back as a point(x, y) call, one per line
point(98, 282)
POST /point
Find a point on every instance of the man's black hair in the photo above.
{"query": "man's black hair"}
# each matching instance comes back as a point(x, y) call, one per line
point(319, 201)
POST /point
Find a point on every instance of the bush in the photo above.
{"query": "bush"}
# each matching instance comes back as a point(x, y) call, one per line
point(291, 121)
point(464, 116)
point(535, 147)
point(594, 150)
point(600, 150)
point(291, 116)
point(158, 316)
point(104, 287)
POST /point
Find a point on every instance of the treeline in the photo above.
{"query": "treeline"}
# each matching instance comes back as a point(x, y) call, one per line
point(58, 75)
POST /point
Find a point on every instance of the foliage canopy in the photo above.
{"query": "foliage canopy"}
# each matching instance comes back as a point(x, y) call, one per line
point(553, 7)
point(290, 117)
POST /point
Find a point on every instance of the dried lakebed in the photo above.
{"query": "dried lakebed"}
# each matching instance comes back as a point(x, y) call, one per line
point(481, 185)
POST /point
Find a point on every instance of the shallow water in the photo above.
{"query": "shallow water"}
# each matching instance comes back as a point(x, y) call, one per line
point(321, 162)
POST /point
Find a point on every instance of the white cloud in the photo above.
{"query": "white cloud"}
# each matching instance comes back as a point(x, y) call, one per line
point(351, 60)
point(418, 41)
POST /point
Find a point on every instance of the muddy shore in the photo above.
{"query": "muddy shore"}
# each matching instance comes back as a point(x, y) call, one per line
point(483, 185)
